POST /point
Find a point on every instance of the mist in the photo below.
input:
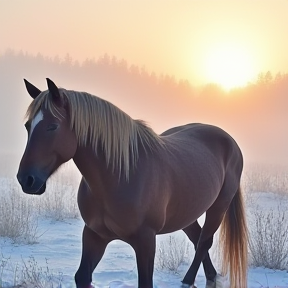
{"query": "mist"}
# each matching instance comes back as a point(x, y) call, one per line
point(255, 115)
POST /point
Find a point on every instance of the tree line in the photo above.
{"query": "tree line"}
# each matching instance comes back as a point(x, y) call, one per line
point(256, 115)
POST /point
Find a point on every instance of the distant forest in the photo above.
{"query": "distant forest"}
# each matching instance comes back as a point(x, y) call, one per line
point(255, 115)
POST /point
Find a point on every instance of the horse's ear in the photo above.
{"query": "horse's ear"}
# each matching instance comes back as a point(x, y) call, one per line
point(31, 89)
point(53, 89)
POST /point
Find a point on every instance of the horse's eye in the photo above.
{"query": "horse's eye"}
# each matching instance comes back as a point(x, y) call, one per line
point(52, 127)
point(27, 125)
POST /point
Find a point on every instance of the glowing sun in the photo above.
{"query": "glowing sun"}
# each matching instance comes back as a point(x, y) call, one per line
point(229, 65)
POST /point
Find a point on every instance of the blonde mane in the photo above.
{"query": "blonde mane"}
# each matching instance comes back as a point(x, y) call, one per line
point(98, 122)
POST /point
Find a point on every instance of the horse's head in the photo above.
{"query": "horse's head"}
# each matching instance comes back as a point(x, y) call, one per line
point(51, 141)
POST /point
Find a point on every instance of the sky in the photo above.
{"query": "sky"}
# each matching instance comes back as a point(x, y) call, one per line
point(228, 42)
point(224, 41)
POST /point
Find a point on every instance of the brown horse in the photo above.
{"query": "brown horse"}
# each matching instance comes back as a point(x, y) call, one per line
point(137, 184)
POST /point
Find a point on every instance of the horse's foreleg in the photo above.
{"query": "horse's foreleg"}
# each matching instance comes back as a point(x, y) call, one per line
point(144, 244)
point(93, 248)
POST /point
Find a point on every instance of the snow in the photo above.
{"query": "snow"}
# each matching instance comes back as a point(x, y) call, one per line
point(57, 253)
point(59, 250)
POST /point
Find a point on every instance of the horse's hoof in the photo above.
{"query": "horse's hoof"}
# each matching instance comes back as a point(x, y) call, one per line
point(187, 286)
point(210, 284)
point(220, 281)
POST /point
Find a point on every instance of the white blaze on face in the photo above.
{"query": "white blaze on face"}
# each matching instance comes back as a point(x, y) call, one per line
point(35, 122)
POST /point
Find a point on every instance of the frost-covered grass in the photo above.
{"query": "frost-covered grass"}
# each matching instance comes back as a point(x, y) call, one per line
point(265, 178)
point(32, 275)
point(173, 251)
point(266, 195)
point(28, 273)
point(22, 219)
point(268, 231)
point(19, 213)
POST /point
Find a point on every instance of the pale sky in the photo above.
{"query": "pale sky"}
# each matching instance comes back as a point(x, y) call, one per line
point(200, 40)
point(223, 41)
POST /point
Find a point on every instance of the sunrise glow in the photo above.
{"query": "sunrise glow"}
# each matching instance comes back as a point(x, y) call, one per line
point(229, 65)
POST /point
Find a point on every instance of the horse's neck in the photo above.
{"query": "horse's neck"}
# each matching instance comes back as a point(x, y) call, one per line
point(94, 169)
point(103, 179)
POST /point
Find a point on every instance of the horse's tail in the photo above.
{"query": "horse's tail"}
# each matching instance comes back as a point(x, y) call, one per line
point(234, 238)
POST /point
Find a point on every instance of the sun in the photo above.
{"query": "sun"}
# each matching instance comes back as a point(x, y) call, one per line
point(229, 65)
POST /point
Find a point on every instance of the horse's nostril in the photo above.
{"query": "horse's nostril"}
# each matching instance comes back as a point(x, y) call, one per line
point(30, 181)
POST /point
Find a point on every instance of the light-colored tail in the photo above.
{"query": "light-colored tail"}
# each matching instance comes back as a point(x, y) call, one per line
point(234, 242)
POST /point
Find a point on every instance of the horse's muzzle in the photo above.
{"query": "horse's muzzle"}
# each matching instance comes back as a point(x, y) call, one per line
point(31, 184)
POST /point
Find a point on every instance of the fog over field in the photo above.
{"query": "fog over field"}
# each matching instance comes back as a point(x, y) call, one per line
point(168, 63)
point(255, 115)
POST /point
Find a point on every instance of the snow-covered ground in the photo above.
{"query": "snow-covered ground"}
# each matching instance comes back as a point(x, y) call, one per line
point(58, 252)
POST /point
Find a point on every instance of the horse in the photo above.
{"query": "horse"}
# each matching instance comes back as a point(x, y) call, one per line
point(137, 184)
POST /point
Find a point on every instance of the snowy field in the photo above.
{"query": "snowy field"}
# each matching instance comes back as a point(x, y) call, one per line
point(59, 251)
point(54, 258)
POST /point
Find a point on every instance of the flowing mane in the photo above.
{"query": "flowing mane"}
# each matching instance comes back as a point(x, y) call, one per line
point(99, 122)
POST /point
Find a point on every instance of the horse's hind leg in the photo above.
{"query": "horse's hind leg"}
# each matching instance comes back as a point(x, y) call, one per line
point(193, 232)
point(93, 248)
point(214, 216)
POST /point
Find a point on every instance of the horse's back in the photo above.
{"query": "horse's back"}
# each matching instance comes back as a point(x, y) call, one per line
point(179, 128)
point(210, 137)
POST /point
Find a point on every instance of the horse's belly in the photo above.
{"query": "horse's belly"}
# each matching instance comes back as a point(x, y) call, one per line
point(182, 213)
point(179, 223)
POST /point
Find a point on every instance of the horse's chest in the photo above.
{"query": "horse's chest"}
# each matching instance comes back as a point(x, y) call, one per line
point(108, 221)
